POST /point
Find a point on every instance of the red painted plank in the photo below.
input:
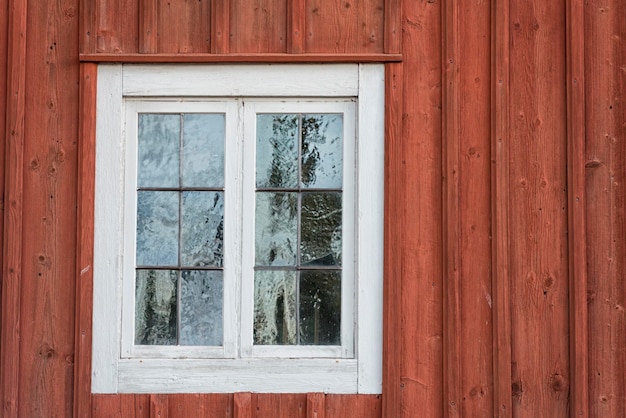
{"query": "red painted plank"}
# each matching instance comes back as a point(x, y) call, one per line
point(120, 406)
point(258, 26)
point(452, 361)
point(393, 26)
point(220, 27)
point(184, 27)
point(394, 230)
point(605, 84)
point(538, 210)
point(148, 26)
point(240, 58)
point(500, 198)
point(12, 273)
point(345, 26)
point(84, 239)
point(316, 405)
point(116, 26)
point(285, 405)
point(361, 406)
point(242, 405)
point(421, 259)
point(578, 316)
point(296, 26)
point(200, 405)
point(4, 25)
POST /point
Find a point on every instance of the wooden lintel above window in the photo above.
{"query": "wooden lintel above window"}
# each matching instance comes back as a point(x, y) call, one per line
point(241, 58)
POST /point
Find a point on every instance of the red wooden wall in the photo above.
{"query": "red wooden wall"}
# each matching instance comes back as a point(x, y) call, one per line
point(505, 256)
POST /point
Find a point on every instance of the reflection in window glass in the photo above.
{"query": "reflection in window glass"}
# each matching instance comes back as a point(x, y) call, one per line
point(180, 229)
point(298, 237)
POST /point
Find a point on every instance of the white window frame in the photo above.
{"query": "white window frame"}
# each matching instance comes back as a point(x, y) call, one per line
point(120, 367)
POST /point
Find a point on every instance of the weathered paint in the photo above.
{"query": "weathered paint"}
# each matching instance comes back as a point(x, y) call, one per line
point(505, 202)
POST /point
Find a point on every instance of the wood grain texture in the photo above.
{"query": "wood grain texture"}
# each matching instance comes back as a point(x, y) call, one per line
point(241, 58)
point(451, 131)
point(121, 406)
point(578, 314)
point(500, 197)
point(345, 26)
point(49, 225)
point(220, 27)
point(538, 210)
point(362, 406)
point(269, 405)
point(394, 230)
point(183, 26)
point(474, 218)
point(200, 405)
point(296, 26)
point(148, 26)
point(87, 27)
point(258, 26)
point(605, 84)
point(421, 196)
point(393, 27)
point(4, 34)
point(12, 272)
point(242, 405)
point(116, 26)
point(315, 405)
point(84, 240)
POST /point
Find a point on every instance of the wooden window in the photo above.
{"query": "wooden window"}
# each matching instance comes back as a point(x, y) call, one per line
point(238, 229)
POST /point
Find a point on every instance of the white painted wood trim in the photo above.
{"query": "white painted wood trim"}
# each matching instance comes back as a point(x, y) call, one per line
point(371, 166)
point(227, 376)
point(107, 230)
point(113, 374)
point(262, 80)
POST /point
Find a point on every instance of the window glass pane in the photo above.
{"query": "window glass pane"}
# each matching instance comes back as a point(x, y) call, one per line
point(277, 151)
point(202, 229)
point(320, 307)
point(158, 153)
point(275, 307)
point(320, 241)
point(203, 150)
point(155, 307)
point(201, 308)
point(157, 228)
point(276, 229)
point(322, 151)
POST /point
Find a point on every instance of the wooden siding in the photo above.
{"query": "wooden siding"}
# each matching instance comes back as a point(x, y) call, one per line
point(505, 196)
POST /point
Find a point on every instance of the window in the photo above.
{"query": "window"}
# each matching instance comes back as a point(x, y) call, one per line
point(238, 237)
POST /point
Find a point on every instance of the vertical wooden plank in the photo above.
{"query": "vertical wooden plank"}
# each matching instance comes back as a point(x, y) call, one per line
point(220, 27)
point(538, 210)
point(49, 226)
point(605, 84)
point(184, 27)
point(117, 26)
point(500, 144)
point(452, 365)
point(316, 405)
point(393, 27)
point(84, 239)
point(120, 406)
point(296, 26)
point(421, 259)
point(362, 406)
point(159, 407)
point(284, 405)
point(579, 348)
point(4, 24)
point(148, 27)
point(474, 222)
point(200, 405)
point(242, 405)
point(258, 26)
point(87, 27)
point(13, 216)
point(394, 229)
point(345, 26)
